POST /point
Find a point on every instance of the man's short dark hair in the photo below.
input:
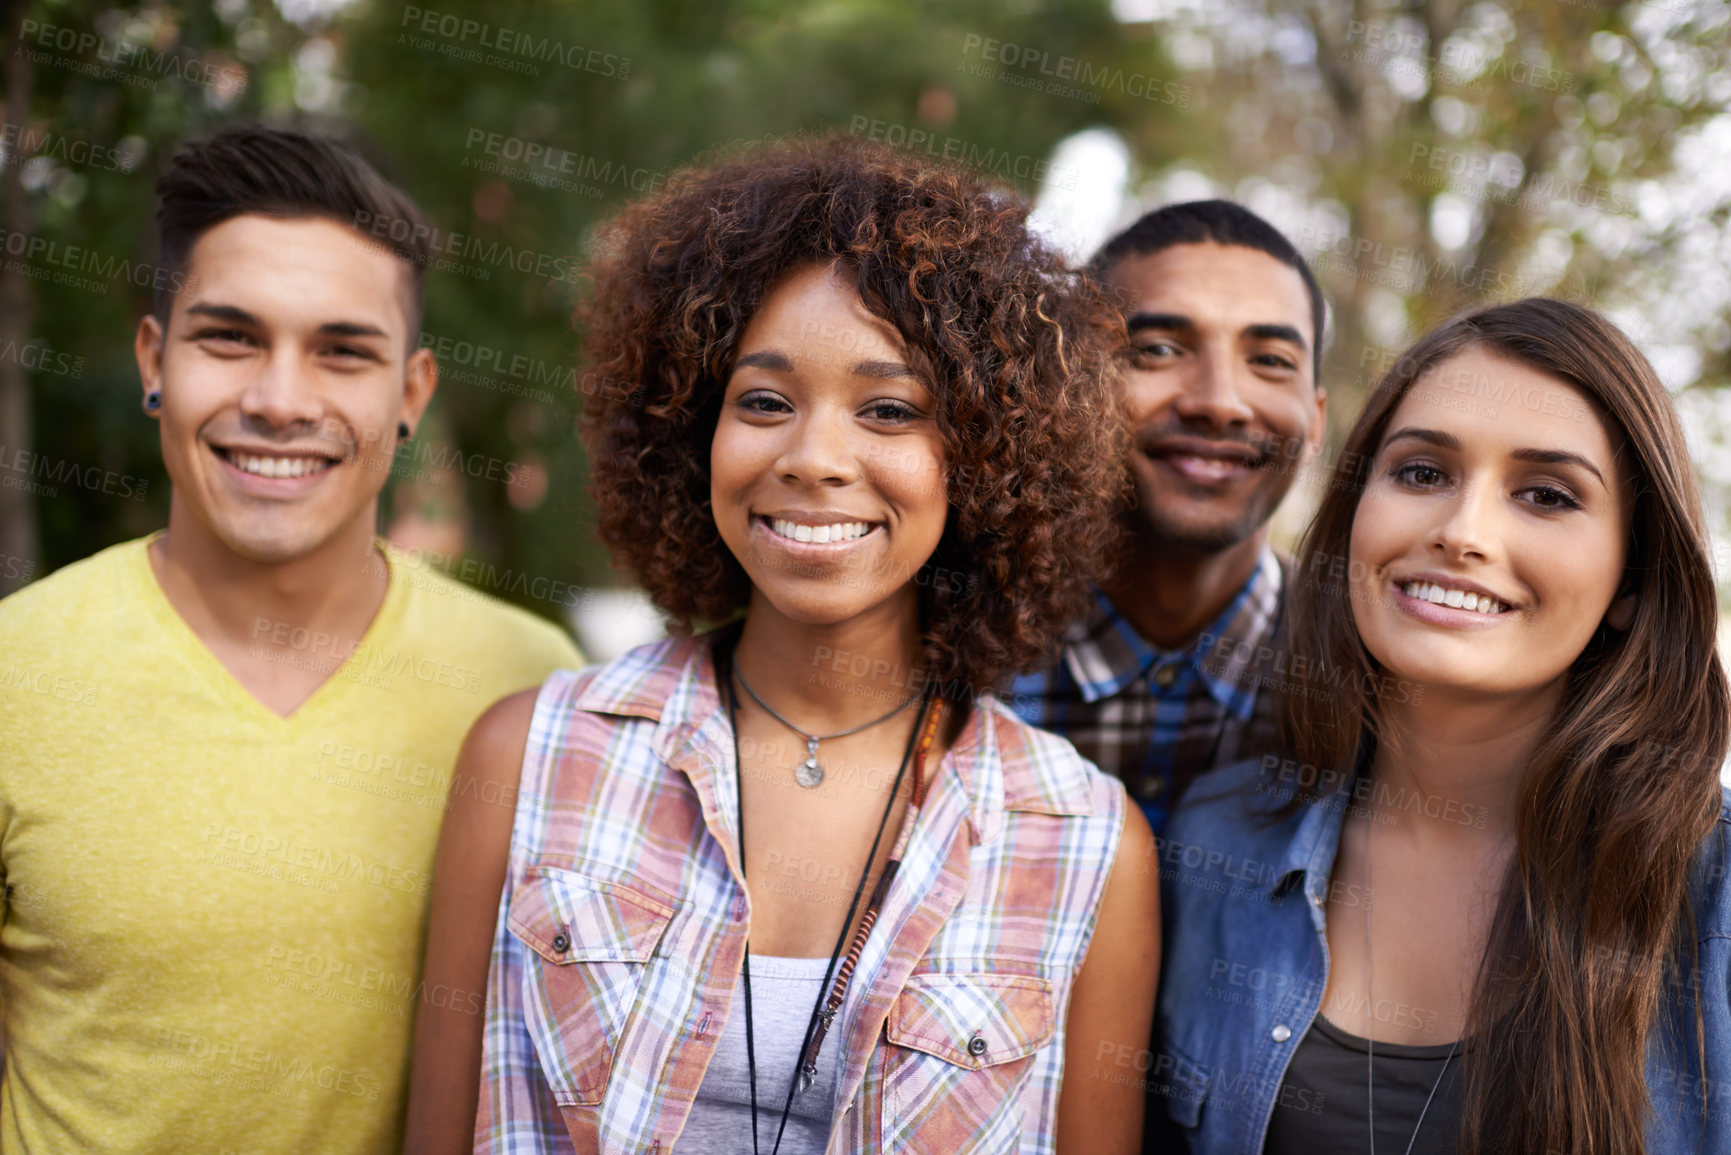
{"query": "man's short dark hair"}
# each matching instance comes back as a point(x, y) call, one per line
point(248, 168)
point(1223, 223)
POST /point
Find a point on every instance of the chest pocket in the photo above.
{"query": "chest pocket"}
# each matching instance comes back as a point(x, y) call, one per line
point(961, 1047)
point(1183, 1084)
point(592, 940)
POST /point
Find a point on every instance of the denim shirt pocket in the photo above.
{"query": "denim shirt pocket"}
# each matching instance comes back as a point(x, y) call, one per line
point(593, 939)
point(1184, 1086)
point(960, 1047)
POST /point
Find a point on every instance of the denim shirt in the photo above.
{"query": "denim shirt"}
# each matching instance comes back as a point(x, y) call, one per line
point(1246, 962)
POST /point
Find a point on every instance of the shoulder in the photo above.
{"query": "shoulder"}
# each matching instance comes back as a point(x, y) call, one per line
point(1238, 806)
point(1711, 883)
point(1041, 770)
point(69, 591)
point(502, 729)
point(582, 716)
point(643, 680)
point(493, 632)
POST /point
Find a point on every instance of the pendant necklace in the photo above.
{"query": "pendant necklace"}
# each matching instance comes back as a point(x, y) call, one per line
point(822, 1016)
point(809, 773)
point(1370, 1016)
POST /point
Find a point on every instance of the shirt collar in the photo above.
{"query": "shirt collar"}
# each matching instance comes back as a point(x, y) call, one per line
point(1106, 654)
point(999, 762)
point(1315, 842)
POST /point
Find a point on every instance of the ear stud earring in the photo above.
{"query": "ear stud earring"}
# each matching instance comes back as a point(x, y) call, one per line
point(153, 401)
point(402, 430)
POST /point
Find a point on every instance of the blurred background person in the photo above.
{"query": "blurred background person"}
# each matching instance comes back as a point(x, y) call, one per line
point(1179, 665)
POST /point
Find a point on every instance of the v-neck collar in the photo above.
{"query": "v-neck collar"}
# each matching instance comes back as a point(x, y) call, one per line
point(221, 679)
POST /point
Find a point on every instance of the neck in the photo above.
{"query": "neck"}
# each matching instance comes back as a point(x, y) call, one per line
point(1171, 592)
point(336, 588)
point(1454, 766)
point(832, 676)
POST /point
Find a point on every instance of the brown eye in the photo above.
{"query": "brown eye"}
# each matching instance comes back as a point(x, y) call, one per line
point(1549, 497)
point(764, 403)
point(1154, 351)
point(1420, 476)
point(890, 411)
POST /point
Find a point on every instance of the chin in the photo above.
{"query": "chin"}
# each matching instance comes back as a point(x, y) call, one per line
point(1422, 673)
point(1208, 533)
point(272, 545)
point(817, 607)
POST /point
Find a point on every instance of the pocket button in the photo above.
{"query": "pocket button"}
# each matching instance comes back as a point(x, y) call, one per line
point(561, 942)
point(976, 1046)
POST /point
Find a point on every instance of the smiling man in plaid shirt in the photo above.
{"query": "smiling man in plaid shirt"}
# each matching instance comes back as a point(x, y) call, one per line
point(1181, 666)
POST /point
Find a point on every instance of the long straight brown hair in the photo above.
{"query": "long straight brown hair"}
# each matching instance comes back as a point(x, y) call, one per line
point(1593, 920)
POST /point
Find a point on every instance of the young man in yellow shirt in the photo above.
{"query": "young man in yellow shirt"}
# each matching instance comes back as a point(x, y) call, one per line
point(225, 749)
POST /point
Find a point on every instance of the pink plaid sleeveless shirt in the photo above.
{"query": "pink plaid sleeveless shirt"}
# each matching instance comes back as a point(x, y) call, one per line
point(624, 919)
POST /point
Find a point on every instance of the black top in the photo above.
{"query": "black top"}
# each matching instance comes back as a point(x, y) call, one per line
point(1322, 1100)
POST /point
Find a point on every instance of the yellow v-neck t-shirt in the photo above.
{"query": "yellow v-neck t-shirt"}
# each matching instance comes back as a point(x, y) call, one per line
point(214, 916)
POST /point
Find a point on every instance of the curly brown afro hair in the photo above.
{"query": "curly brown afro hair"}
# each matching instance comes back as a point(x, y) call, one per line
point(1015, 345)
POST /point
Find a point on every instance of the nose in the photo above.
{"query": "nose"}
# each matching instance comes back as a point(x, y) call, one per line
point(819, 449)
point(281, 395)
point(1214, 391)
point(1467, 525)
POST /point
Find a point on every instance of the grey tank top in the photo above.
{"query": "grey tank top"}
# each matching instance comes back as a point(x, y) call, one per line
point(782, 993)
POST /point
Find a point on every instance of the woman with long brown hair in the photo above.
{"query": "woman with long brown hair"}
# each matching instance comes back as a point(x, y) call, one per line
point(1482, 907)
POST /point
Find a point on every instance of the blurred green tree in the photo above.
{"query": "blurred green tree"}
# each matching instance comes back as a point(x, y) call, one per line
point(1428, 155)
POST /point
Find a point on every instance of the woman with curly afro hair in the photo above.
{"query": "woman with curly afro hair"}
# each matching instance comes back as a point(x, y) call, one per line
point(801, 883)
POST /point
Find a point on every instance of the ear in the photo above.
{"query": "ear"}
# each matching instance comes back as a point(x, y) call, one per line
point(1318, 430)
point(1622, 611)
point(420, 378)
point(147, 351)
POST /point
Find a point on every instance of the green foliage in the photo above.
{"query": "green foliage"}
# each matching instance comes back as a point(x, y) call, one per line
point(520, 125)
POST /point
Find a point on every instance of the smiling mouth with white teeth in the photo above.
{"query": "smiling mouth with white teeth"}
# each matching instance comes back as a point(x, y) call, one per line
point(1457, 599)
point(273, 466)
point(818, 534)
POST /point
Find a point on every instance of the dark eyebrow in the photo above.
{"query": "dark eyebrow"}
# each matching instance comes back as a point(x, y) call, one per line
point(1434, 437)
point(229, 313)
point(1137, 321)
point(235, 315)
point(779, 363)
point(1272, 332)
point(1558, 457)
point(882, 369)
point(351, 329)
point(772, 361)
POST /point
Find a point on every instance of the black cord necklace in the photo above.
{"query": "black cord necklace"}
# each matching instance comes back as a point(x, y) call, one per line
point(808, 1064)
